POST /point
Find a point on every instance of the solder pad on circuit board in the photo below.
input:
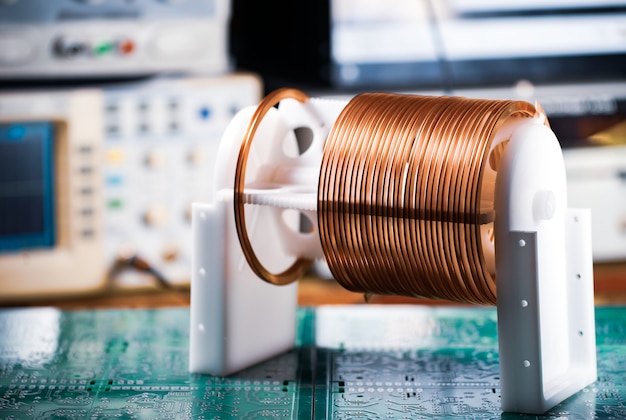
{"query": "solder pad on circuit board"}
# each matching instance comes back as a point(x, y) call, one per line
point(390, 362)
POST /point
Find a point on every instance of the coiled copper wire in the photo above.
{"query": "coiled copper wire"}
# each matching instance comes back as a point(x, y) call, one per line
point(399, 194)
point(399, 197)
point(300, 265)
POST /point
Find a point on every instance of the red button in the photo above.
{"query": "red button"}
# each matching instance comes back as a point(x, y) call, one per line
point(126, 47)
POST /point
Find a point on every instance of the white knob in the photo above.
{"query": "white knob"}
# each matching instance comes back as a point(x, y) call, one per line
point(544, 205)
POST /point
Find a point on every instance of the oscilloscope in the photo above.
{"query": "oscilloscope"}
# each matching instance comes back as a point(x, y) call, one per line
point(91, 175)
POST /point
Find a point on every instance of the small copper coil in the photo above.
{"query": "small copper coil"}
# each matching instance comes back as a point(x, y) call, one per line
point(401, 197)
point(300, 265)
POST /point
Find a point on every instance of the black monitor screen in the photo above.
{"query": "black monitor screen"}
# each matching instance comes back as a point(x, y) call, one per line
point(27, 186)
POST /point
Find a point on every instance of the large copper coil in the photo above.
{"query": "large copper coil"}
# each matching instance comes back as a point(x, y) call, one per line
point(405, 195)
point(401, 197)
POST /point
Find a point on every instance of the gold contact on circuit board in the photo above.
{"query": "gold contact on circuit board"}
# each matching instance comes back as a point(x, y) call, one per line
point(405, 195)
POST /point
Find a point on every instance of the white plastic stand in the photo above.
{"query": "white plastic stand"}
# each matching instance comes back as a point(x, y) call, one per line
point(544, 273)
point(237, 319)
point(542, 256)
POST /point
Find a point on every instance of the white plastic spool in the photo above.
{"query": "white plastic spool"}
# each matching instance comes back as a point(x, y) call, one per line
point(542, 255)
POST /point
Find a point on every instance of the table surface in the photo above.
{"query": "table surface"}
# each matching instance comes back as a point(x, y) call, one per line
point(609, 281)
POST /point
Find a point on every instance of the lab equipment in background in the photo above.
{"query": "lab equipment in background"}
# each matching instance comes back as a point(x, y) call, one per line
point(116, 170)
point(357, 45)
point(71, 39)
point(556, 41)
point(412, 195)
point(159, 152)
point(50, 234)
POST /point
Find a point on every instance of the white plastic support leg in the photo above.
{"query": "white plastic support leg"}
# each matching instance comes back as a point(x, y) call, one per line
point(237, 320)
point(546, 327)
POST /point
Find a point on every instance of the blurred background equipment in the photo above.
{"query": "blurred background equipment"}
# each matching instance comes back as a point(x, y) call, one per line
point(429, 44)
point(92, 177)
point(50, 234)
point(110, 116)
point(159, 151)
point(41, 39)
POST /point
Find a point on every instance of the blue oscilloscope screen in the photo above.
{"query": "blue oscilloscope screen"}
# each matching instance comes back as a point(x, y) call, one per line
point(27, 178)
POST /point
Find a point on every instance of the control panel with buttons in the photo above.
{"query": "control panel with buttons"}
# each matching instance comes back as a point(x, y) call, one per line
point(108, 38)
point(92, 178)
point(160, 142)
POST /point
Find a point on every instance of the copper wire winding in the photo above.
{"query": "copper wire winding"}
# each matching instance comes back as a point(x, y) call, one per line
point(300, 265)
point(400, 193)
point(399, 197)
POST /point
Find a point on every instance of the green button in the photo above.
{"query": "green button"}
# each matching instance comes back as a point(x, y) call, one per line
point(104, 48)
point(115, 204)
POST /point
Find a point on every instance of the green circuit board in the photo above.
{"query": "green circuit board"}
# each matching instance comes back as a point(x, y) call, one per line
point(360, 362)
